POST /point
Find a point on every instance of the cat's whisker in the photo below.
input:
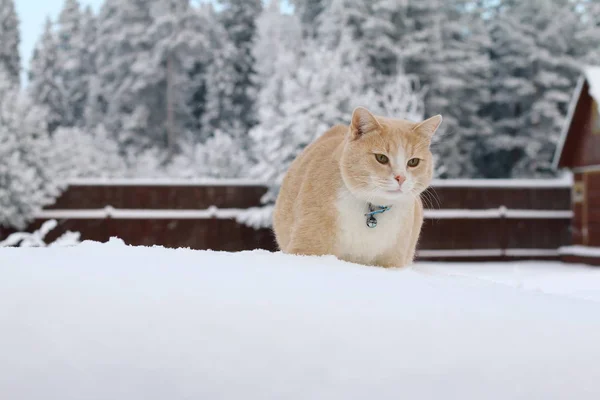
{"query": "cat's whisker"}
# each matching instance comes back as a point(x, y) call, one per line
point(431, 192)
point(429, 195)
point(425, 200)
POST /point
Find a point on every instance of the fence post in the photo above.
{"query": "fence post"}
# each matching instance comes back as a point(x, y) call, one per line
point(503, 232)
point(108, 211)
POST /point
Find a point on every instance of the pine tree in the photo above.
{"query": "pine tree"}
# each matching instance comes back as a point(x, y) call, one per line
point(10, 60)
point(89, 32)
point(343, 19)
point(223, 157)
point(239, 20)
point(533, 74)
point(459, 77)
point(118, 90)
point(72, 54)
point(179, 48)
point(62, 67)
point(27, 176)
point(44, 82)
point(374, 30)
point(588, 32)
point(80, 153)
point(151, 60)
point(309, 11)
point(381, 37)
point(277, 34)
point(218, 77)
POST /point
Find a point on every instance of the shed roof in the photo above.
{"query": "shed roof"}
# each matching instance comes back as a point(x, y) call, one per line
point(591, 76)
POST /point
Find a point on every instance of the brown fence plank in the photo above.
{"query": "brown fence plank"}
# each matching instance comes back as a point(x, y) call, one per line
point(515, 198)
point(159, 197)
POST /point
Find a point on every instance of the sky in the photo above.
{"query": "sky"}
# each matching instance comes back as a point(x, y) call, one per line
point(33, 14)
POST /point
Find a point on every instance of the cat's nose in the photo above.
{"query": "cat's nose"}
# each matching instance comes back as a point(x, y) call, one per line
point(400, 179)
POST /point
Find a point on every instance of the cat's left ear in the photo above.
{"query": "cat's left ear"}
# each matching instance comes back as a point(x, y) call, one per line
point(429, 126)
point(363, 122)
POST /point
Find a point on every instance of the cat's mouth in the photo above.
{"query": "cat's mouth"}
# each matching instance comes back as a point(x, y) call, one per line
point(395, 191)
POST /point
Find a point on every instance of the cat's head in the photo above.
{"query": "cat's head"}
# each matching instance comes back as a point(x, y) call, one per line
point(387, 160)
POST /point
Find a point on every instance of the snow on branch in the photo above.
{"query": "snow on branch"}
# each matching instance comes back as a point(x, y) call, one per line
point(37, 238)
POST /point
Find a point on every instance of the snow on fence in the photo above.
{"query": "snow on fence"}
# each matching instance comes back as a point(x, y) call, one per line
point(471, 219)
point(484, 183)
point(232, 213)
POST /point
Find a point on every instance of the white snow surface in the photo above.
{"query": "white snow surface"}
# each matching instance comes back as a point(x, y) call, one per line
point(497, 213)
point(260, 217)
point(107, 321)
point(120, 213)
point(561, 182)
point(592, 75)
point(584, 251)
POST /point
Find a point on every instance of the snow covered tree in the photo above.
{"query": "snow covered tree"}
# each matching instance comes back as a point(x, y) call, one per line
point(373, 28)
point(219, 157)
point(217, 97)
point(341, 20)
point(588, 31)
point(217, 93)
point(239, 20)
point(146, 163)
point(63, 65)
point(222, 157)
point(277, 50)
point(79, 153)
point(179, 48)
point(10, 60)
point(117, 91)
point(308, 11)
point(44, 82)
point(533, 75)
point(151, 62)
point(459, 72)
point(27, 176)
point(88, 34)
point(277, 34)
point(72, 54)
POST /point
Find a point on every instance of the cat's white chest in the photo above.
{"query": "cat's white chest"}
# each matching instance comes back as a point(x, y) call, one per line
point(356, 242)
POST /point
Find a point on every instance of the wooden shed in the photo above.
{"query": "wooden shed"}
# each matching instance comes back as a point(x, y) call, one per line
point(579, 152)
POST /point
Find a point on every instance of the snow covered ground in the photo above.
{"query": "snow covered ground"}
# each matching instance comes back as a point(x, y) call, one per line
point(114, 322)
point(578, 281)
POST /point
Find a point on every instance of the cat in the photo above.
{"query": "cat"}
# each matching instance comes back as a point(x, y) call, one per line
point(355, 192)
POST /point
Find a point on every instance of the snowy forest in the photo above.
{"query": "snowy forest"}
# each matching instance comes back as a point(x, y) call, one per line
point(236, 88)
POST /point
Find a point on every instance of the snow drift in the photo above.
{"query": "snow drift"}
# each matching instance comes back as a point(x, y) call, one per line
point(114, 322)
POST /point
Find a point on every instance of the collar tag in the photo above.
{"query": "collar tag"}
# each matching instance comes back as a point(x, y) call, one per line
point(374, 210)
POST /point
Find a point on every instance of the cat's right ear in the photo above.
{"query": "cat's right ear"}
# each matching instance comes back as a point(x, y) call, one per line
point(363, 122)
point(429, 126)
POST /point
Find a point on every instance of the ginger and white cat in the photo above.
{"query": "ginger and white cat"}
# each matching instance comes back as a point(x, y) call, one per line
point(355, 192)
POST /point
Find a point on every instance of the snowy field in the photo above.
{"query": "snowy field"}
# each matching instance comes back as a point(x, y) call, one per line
point(115, 322)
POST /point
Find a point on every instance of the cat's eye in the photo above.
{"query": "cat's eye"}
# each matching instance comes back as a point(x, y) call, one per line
point(382, 158)
point(413, 162)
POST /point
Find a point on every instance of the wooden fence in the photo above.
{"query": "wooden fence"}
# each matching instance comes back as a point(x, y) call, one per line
point(472, 220)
